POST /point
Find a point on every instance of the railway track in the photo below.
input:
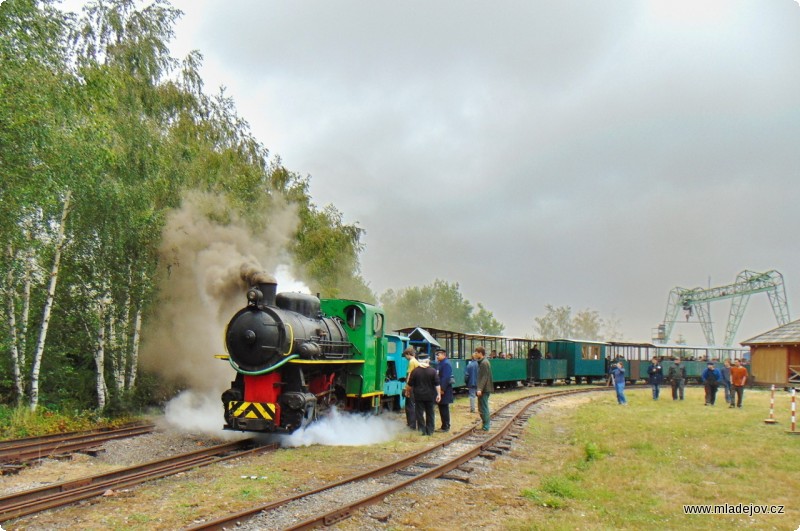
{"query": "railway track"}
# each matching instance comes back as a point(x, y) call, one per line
point(337, 501)
point(56, 495)
point(20, 451)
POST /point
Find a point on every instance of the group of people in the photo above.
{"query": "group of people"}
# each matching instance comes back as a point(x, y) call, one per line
point(426, 386)
point(731, 378)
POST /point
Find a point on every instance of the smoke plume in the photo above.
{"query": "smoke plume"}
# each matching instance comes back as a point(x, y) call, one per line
point(207, 266)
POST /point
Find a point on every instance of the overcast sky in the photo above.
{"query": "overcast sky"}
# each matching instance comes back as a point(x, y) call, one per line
point(568, 152)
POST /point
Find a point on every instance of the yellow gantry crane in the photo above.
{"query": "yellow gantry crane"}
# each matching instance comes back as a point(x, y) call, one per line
point(698, 301)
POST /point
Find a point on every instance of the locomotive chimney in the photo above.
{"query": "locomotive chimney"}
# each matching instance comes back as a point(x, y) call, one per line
point(269, 290)
point(262, 282)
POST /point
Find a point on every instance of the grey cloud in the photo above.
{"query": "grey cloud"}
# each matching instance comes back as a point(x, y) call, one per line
point(592, 154)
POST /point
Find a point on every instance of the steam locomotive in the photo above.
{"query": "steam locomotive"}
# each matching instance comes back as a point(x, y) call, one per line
point(296, 355)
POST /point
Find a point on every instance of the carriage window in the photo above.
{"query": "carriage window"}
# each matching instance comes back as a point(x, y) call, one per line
point(377, 324)
point(354, 317)
point(590, 352)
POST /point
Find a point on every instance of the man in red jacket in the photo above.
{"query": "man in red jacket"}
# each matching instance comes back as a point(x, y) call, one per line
point(738, 381)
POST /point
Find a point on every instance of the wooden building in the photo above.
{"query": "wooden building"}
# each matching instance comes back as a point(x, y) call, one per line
point(775, 356)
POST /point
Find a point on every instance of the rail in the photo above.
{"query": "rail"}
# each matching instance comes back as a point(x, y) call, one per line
point(25, 450)
point(417, 465)
point(56, 495)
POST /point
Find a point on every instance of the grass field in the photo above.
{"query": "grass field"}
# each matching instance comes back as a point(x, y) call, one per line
point(598, 465)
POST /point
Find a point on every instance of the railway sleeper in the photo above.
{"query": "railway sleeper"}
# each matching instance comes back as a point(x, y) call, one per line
point(338, 517)
point(10, 469)
point(455, 477)
point(487, 455)
point(93, 452)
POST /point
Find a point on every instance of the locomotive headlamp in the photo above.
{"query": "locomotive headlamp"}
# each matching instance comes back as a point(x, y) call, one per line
point(254, 296)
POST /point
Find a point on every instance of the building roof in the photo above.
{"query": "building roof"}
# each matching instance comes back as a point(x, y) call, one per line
point(420, 334)
point(787, 334)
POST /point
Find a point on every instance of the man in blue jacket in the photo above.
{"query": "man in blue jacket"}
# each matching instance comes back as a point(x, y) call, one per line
point(711, 379)
point(618, 375)
point(471, 380)
point(445, 371)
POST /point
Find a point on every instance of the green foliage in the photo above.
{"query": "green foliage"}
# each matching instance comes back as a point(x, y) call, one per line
point(485, 323)
point(553, 492)
point(559, 323)
point(665, 454)
point(18, 422)
point(93, 105)
point(593, 451)
point(561, 487)
point(328, 249)
point(439, 305)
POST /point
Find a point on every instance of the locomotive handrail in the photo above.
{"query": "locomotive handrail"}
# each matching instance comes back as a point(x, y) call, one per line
point(265, 371)
point(291, 338)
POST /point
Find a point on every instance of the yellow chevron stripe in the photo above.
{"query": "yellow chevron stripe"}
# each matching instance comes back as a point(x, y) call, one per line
point(252, 410)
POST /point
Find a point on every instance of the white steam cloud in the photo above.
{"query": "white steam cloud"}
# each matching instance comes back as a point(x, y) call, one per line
point(193, 412)
point(345, 429)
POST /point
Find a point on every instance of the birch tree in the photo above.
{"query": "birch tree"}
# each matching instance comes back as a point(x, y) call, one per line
point(33, 91)
point(48, 306)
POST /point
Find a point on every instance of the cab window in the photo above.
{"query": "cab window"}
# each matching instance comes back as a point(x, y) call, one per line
point(354, 317)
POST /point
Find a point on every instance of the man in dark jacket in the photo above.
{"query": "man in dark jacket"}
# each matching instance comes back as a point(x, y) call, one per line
point(445, 371)
point(711, 378)
point(677, 379)
point(485, 386)
point(655, 376)
point(424, 384)
point(725, 371)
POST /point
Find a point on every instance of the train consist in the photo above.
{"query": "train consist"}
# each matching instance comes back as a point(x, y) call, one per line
point(296, 355)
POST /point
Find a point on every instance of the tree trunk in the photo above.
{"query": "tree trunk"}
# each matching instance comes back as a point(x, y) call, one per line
point(133, 367)
point(99, 360)
point(16, 365)
point(48, 307)
point(27, 281)
point(117, 356)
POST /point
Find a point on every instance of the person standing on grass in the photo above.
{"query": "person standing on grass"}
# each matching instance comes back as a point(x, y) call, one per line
point(471, 381)
point(618, 375)
point(485, 386)
point(655, 376)
point(411, 414)
point(424, 383)
point(677, 379)
point(446, 381)
point(725, 371)
point(738, 381)
point(711, 378)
